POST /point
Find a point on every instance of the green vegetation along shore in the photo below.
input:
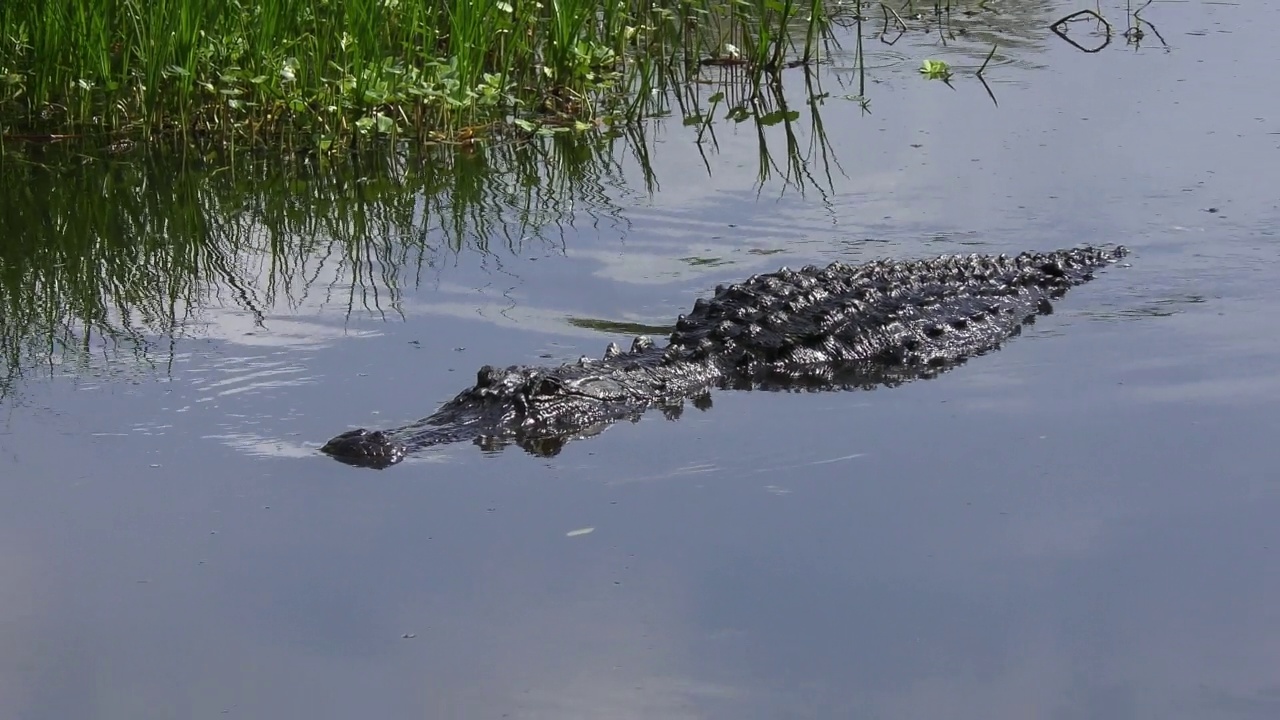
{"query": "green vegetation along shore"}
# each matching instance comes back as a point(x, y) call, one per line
point(314, 73)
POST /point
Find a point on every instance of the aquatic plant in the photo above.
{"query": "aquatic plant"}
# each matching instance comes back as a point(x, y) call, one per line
point(313, 73)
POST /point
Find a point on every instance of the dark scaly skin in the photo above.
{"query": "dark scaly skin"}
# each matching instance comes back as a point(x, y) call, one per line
point(839, 327)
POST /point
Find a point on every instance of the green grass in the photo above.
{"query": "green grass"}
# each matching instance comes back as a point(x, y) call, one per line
point(312, 73)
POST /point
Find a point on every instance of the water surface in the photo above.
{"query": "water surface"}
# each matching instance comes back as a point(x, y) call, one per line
point(1081, 525)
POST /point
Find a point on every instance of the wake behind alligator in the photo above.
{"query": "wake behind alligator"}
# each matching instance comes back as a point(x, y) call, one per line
point(839, 327)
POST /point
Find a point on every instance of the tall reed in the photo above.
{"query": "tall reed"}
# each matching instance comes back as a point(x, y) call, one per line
point(319, 71)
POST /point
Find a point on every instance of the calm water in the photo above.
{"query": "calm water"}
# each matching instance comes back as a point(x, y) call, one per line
point(1082, 525)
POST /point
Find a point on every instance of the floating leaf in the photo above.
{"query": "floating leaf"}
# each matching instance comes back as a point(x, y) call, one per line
point(935, 69)
point(778, 116)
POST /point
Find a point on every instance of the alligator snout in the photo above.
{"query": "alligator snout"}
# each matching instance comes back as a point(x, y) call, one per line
point(365, 448)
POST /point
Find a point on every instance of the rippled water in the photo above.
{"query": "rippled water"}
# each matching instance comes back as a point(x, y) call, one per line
point(1081, 525)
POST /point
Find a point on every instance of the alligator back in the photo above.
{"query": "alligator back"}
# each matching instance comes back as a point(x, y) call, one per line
point(927, 313)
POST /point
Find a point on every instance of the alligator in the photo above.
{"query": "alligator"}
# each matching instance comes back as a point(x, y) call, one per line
point(844, 326)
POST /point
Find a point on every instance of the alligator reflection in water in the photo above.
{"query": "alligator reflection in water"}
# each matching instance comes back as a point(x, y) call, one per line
point(839, 327)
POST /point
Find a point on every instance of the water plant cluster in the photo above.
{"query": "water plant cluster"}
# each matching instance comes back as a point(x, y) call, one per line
point(319, 72)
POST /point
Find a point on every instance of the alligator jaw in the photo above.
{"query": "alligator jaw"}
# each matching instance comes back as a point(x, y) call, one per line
point(365, 448)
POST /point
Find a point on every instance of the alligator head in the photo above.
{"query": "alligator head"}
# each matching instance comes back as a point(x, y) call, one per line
point(537, 408)
point(365, 448)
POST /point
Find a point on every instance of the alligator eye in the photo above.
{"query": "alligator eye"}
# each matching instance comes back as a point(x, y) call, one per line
point(486, 376)
point(546, 387)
